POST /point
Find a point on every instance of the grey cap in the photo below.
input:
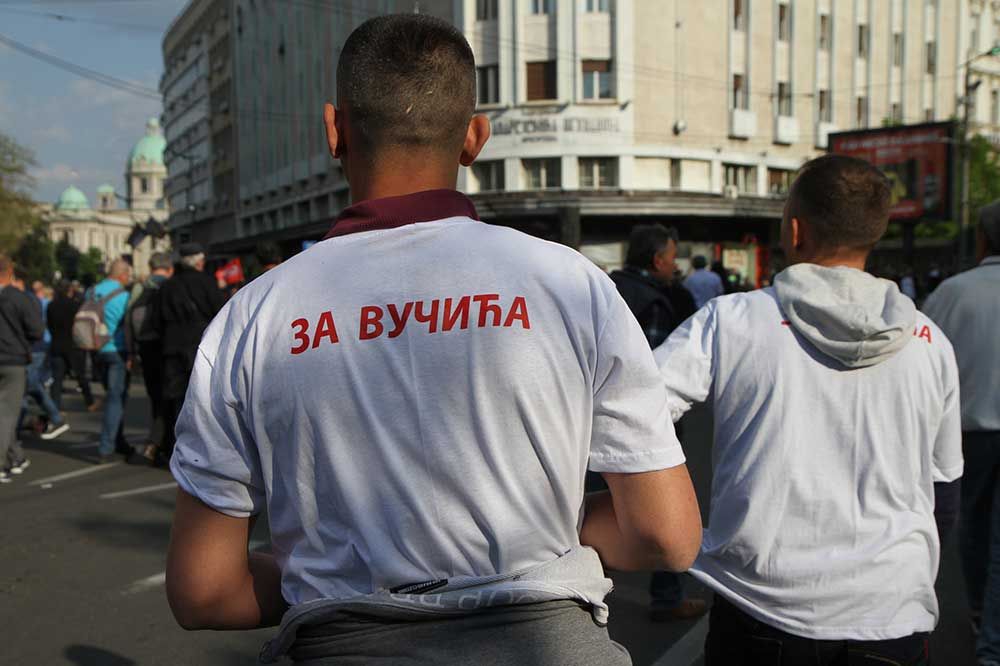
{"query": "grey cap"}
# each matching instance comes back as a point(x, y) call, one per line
point(989, 220)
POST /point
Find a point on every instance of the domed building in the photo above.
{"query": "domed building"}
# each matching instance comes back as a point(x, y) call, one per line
point(108, 227)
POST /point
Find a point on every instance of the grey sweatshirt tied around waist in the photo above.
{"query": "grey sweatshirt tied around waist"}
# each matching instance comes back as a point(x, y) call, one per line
point(856, 318)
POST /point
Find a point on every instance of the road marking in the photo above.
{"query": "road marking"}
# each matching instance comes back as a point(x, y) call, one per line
point(72, 475)
point(147, 583)
point(689, 650)
point(139, 491)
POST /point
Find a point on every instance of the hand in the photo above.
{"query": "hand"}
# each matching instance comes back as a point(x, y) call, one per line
point(128, 365)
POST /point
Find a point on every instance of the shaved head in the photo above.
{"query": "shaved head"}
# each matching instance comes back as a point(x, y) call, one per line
point(118, 269)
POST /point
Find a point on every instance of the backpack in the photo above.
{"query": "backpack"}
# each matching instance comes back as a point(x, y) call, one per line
point(143, 315)
point(90, 331)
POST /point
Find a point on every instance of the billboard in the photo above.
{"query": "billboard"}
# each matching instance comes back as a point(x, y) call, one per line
point(916, 158)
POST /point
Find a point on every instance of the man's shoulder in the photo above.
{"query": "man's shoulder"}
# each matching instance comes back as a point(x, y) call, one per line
point(747, 304)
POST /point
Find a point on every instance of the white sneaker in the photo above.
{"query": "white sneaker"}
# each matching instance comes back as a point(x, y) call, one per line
point(5, 477)
point(53, 431)
point(18, 468)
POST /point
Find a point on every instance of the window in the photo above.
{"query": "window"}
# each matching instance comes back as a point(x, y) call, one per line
point(542, 80)
point(740, 98)
point(488, 79)
point(929, 115)
point(778, 181)
point(597, 79)
point(489, 175)
point(861, 112)
point(144, 185)
point(675, 174)
point(486, 10)
point(784, 23)
point(541, 6)
point(784, 99)
point(739, 17)
point(931, 58)
point(825, 109)
point(598, 5)
point(541, 174)
point(862, 41)
point(825, 34)
point(897, 49)
point(995, 107)
point(597, 172)
point(896, 112)
point(743, 177)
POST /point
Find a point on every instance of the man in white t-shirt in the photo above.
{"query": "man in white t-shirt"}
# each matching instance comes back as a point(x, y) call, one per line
point(414, 401)
point(967, 308)
point(836, 414)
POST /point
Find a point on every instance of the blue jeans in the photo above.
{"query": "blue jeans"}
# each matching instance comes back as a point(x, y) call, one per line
point(979, 536)
point(112, 435)
point(37, 373)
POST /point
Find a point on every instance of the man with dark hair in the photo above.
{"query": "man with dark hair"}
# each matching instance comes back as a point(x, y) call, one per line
point(837, 439)
point(142, 336)
point(268, 256)
point(659, 305)
point(64, 353)
point(20, 326)
point(414, 402)
point(967, 308)
point(703, 284)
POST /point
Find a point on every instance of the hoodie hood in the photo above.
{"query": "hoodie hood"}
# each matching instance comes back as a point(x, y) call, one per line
point(856, 318)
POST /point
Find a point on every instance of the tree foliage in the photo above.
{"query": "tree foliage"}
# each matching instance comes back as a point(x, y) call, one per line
point(91, 267)
point(17, 210)
point(68, 260)
point(984, 175)
point(36, 255)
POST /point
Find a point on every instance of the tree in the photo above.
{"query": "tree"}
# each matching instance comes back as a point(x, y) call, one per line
point(91, 267)
point(18, 214)
point(68, 260)
point(36, 255)
point(984, 175)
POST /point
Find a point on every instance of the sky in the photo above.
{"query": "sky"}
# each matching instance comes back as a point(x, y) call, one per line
point(80, 131)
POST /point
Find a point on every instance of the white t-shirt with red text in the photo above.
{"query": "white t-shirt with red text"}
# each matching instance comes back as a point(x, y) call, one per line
point(415, 402)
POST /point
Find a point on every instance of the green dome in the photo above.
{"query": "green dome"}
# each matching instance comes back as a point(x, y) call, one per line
point(106, 189)
point(72, 199)
point(150, 148)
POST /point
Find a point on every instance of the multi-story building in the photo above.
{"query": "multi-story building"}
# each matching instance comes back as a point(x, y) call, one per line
point(199, 122)
point(608, 113)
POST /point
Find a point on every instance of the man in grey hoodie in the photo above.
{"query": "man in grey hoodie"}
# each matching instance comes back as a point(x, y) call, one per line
point(837, 415)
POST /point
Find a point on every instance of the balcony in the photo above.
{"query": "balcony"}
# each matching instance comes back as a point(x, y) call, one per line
point(742, 123)
point(786, 130)
point(823, 131)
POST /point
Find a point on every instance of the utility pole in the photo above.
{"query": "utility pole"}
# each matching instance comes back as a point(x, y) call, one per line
point(964, 251)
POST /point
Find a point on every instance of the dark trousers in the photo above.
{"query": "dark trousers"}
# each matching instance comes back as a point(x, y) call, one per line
point(61, 363)
point(736, 639)
point(13, 379)
point(979, 535)
point(177, 369)
point(151, 354)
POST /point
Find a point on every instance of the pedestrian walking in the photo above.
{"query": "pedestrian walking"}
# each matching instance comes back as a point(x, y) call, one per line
point(967, 308)
point(114, 360)
point(37, 391)
point(20, 327)
point(440, 406)
point(648, 287)
point(703, 284)
point(63, 354)
point(187, 303)
point(837, 439)
point(143, 341)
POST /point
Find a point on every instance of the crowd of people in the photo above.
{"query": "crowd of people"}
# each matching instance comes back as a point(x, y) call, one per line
point(456, 429)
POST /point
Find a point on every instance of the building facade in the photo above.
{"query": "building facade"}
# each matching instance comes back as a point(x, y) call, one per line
point(608, 113)
point(108, 227)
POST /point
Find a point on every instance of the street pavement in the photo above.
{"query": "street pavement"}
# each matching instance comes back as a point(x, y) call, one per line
point(84, 550)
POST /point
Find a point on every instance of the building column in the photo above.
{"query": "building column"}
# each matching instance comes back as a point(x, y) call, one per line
point(569, 226)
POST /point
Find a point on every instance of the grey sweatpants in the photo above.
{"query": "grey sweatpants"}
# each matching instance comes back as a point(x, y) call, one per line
point(544, 634)
point(12, 383)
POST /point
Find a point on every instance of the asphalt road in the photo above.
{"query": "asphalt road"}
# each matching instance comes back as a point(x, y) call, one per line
point(83, 552)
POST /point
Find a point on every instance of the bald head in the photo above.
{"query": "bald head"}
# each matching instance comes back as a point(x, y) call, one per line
point(121, 271)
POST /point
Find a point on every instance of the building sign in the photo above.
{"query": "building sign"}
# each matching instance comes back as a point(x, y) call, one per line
point(916, 158)
point(548, 128)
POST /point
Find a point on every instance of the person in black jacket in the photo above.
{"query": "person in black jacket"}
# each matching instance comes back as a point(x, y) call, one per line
point(660, 304)
point(188, 302)
point(21, 326)
point(64, 355)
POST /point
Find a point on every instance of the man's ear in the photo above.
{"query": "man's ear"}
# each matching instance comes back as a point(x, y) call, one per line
point(476, 137)
point(335, 134)
point(797, 236)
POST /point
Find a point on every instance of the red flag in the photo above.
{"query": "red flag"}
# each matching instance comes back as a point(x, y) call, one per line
point(231, 273)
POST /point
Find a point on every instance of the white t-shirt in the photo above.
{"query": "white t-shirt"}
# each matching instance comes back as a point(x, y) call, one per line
point(420, 403)
point(822, 518)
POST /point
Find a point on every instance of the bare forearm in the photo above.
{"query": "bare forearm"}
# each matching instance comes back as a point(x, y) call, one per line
point(602, 533)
